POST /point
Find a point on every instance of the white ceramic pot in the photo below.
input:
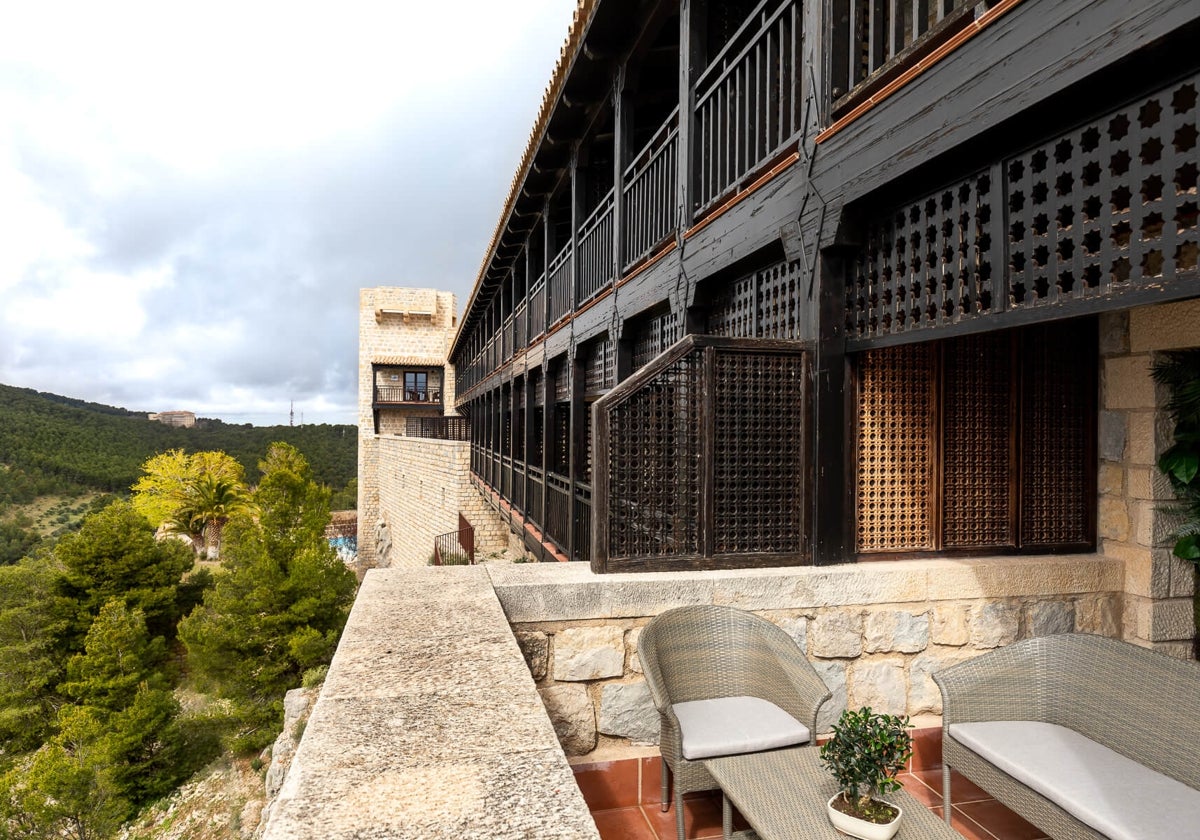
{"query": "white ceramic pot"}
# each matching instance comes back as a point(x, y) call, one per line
point(861, 828)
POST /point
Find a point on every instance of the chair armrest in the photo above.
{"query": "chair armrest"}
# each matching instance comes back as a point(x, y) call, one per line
point(998, 685)
point(804, 692)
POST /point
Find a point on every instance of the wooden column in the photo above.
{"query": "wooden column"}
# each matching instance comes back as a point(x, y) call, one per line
point(622, 131)
point(693, 32)
point(831, 481)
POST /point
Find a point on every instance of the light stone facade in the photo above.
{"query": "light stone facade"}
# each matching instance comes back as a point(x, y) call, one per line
point(1134, 430)
point(874, 631)
point(411, 490)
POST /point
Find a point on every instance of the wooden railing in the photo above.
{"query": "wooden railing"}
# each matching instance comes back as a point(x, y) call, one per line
point(749, 102)
point(533, 511)
point(650, 192)
point(873, 41)
point(440, 428)
point(537, 308)
point(595, 264)
point(559, 283)
point(558, 509)
point(520, 326)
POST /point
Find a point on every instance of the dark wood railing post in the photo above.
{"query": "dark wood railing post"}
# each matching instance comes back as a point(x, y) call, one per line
point(832, 460)
point(622, 125)
point(693, 17)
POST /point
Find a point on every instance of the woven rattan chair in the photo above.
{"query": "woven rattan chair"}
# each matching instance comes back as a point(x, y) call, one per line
point(712, 652)
point(1137, 702)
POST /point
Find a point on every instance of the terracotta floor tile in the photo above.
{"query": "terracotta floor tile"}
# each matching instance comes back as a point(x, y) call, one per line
point(923, 787)
point(623, 824)
point(963, 789)
point(651, 791)
point(968, 828)
point(927, 749)
point(1000, 821)
point(608, 784)
point(701, 818)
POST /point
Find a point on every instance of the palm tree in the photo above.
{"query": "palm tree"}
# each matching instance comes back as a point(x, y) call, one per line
point(212, 500)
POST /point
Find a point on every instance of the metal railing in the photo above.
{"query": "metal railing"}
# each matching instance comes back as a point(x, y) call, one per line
point(399, 394)
point(649, 193)
point(456, 548)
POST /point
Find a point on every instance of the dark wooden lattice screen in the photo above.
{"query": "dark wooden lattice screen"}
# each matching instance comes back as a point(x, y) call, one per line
point(1106, 209)
point(1109, 206)
point(599, 366)
point(700, 459)
point(653, 335)
point(768, 303)
point(758, 461)
point(978, 443)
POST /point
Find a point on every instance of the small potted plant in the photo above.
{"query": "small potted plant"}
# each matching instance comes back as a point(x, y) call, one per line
point(864, 755)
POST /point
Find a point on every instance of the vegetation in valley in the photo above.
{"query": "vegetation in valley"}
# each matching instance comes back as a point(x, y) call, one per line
point(105, 632)
point(59, 455)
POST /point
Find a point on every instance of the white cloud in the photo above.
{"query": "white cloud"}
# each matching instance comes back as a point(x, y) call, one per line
point(201, 189)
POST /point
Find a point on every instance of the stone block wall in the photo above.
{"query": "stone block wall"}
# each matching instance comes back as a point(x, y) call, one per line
point(423, 486)
point(1134, 430)
point(393, 324)
point(875, 632)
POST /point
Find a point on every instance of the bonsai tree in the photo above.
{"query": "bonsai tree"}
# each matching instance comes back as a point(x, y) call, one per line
point(864, 755)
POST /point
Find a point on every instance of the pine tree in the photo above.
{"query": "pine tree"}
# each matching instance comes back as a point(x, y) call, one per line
point(115, 555)
point(280, 605)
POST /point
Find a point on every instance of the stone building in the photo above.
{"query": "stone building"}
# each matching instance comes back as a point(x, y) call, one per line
point(412, 472)
point(183, 419)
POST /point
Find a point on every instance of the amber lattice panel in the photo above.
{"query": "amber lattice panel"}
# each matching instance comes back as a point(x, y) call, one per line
point(895, 449)
point(758, 457)
point(928, 264)
point(1107, 207)
point(763, 304)
point(977, 468)
point(653, 464)
point(1057, 444)
point(653, 335)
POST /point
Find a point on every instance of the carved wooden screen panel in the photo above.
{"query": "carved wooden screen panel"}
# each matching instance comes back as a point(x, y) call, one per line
point(977, 458)
point(562, 381)
point(654, 466)
point(599, 366)
point(731, 312)
point(768, 303)
point(653, 335)
point(928, 264)
point(759, 453)
point(1108, 207)
point(895, 451)
point(538, 384)
point(779, 301)
point(561, 439)
point(1058, 445)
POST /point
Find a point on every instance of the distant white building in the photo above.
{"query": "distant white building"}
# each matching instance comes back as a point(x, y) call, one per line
point(184, 419)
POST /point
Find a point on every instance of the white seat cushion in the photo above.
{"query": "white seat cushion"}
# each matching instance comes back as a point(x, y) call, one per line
point(735, 725)
point(1113, 794)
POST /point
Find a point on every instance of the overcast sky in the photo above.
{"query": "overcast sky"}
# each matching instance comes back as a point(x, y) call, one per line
point(191, 195)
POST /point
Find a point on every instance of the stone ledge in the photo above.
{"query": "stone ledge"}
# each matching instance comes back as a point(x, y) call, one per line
point(429, 725)
point(541, 592)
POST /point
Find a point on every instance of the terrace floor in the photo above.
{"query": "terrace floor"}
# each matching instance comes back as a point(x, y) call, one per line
point(624, 798)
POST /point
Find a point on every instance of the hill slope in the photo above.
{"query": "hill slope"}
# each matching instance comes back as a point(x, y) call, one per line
point(58, 446)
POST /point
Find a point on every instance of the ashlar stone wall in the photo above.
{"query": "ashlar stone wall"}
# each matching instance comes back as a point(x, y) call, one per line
point(875, 631)
point(1134, 430)
point(423, 485)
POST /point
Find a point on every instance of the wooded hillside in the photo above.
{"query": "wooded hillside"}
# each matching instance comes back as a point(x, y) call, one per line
point(57, 445)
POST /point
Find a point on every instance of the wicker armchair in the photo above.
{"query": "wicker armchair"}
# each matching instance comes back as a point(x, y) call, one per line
point(1136, 702)
point(709, 652)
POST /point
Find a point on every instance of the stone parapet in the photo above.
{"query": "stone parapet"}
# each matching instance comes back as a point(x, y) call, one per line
point(874, 631)
point(409, 740)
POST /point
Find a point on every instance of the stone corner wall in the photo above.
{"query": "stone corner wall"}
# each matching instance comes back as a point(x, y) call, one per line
point(874, 632)
point(1134, 430)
